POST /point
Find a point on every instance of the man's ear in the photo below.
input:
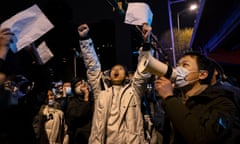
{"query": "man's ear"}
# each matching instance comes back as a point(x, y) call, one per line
point(203, 74)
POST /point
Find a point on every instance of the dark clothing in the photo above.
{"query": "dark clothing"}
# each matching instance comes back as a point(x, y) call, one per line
point(1, 65)
point(139, 1)
point(236, 91)
point(16, 125)
point(16, 120)
point(79, 119)
point(204, 119)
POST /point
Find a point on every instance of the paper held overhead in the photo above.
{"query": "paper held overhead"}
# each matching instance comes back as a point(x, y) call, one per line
point(44, 52)
point(27, 25)
point(138, 13)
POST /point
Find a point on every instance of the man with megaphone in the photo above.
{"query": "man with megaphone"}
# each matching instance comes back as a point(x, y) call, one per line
point(199, 113)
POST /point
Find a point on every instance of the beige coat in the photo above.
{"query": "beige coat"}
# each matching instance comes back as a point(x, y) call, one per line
point(130, 128)
point(50, 126)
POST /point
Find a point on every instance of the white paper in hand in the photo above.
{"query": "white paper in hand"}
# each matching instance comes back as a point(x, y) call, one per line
point(44, 52)
point(138, 13)
point(27, 25)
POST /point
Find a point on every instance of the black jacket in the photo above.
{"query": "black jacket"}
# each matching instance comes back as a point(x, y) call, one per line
point(207, 118)
point(79, 118)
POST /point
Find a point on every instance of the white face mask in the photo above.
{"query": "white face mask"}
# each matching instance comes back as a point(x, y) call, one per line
point(181, 74)
point(15, 96)
point(51, 102)
point(68, 91)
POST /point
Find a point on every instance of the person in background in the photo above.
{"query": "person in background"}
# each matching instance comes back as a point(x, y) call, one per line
point(79, 111)
point(62, 90)
point(6, 37)
point(16, 101)
point(221, 80)
point(67, 92)
point(49, 124)
point(201, 113)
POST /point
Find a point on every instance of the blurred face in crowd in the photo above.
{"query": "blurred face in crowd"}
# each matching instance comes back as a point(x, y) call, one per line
point(117, 74)
point(67, 89)
point(12, 92)
point(81, 87)
point(50, 95)
point(58, 89)
point(9, 85)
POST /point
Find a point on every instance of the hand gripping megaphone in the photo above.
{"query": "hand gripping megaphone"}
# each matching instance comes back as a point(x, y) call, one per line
point(152, 65)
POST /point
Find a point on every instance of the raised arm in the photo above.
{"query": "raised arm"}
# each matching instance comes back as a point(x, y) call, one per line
point(90, 58)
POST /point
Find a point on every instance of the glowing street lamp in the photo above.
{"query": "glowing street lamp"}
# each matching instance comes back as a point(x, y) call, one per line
point(191, 8)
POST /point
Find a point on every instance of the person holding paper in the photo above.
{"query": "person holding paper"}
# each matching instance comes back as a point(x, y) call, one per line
point(117, 102)
point(28, 26)
point(5, 39)
point(17, 114)
point(138, 12)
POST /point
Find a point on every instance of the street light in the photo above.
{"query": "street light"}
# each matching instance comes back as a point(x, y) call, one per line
point(191, 8)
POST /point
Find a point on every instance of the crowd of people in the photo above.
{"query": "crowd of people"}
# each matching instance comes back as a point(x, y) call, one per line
point(195, 106)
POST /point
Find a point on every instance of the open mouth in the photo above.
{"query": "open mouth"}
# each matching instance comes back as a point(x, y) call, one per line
point(116, 74)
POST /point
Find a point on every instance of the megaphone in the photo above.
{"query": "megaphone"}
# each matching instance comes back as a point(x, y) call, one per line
point(152, 65)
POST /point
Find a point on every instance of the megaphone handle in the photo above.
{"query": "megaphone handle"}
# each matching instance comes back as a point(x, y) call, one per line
point(169, 72)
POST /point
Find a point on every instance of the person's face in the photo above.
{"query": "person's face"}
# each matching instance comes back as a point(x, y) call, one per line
point(10, 86)
point(81, 87)
point(117, 74)
point(12, 91)
point(67, 89)
point(189, 63)
point(50, 95)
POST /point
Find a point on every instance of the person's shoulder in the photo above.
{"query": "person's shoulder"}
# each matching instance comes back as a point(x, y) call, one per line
point(219, 89)
point(228, 87)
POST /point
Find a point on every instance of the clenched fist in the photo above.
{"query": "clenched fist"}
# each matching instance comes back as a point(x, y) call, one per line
point(83, 30)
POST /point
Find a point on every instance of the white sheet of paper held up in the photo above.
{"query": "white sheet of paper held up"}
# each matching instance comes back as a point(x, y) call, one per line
point(44, 52)
point(138, 13)
point(27, 25)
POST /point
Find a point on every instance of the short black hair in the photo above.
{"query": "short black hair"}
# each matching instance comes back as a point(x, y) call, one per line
point(124, 67)
point(204, 63)
point(74, 81)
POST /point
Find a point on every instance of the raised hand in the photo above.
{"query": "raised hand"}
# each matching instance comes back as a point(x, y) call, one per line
point(146, 32)
point(83, 30)
point(6, 37)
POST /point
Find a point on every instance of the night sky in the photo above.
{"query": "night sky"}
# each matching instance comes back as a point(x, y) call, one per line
point(114, 41)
